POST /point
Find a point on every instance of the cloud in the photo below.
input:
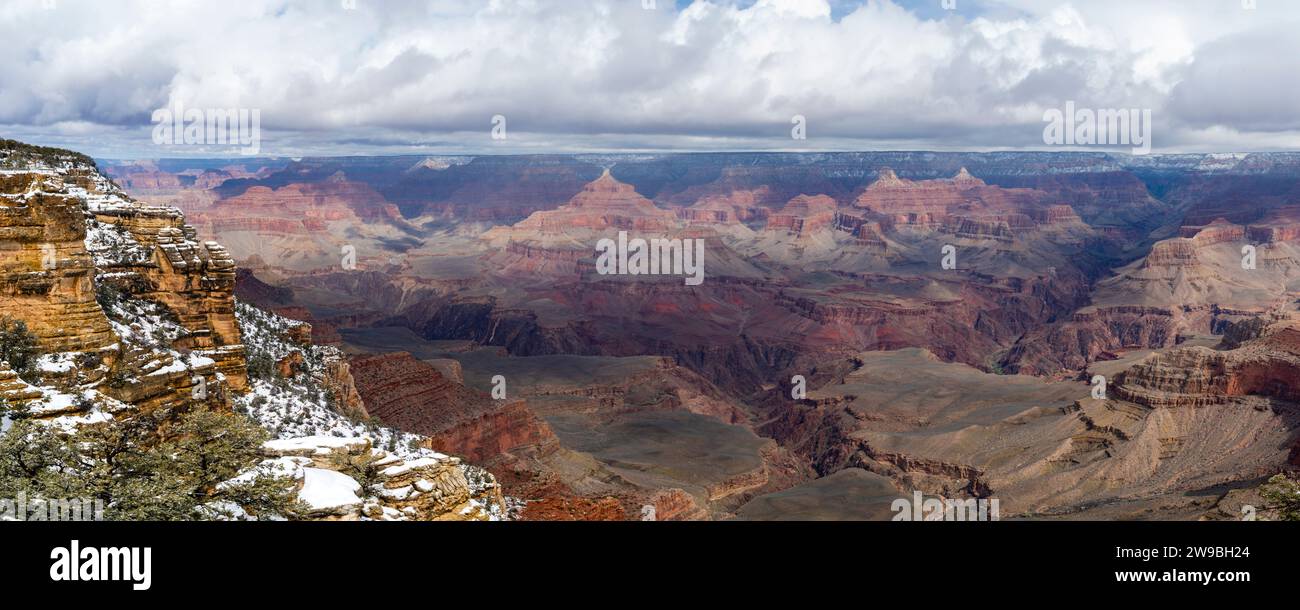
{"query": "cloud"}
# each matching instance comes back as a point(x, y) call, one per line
point(1246, 81)
point(572, 74)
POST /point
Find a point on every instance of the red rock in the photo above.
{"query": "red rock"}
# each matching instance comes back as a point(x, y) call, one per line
point(731, 208)
point(963, 206)
point(290, 366)
point(804, 215)
point(603, 204)
point(1199, 376)
point(411, 395)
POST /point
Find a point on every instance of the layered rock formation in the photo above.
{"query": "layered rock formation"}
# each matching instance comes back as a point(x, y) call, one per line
point(803, 216)
point(1062, 263)
point(563, 241)
point(603, 204)
point(313, 205)
point(194, 281)
point(1198, 376)
point(47, 273)
point(129, 312)
point(1185, 285)
point(431, 487)
point(1047, 449)
point(963, 205)
point(74, 236)
point(321, 421)
point(731, 208)
point(413, 396)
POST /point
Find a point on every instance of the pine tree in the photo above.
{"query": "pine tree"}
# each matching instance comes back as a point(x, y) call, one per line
point(18, 346)
point(1283, 495)
point(148, 466)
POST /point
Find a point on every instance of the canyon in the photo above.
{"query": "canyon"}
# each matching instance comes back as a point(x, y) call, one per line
point(945, 311)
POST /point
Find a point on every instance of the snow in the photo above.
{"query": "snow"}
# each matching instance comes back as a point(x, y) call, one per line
point(314, 445)
point(398, 493)
point(177, 366)
point(114, 246)
point(409, 465)
point(385, 458)
point(54, 402)
point(55, 363)
point(299, 407)
point(327, 490)
point(180, 364)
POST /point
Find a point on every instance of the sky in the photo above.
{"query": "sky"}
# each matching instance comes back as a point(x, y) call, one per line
point(445, 76)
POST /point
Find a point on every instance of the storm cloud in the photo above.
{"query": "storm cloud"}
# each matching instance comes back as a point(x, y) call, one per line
point(573, 75)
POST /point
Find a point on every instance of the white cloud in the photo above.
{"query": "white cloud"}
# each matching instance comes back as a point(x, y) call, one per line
point(607, 73)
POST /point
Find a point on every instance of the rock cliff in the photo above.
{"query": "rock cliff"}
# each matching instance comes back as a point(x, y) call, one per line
point(413, 396)
point(106, 281)
point(129, 312)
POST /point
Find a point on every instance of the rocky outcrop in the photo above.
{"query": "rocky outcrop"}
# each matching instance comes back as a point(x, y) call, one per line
point(563, 241)
point(1199, 376)
point(575, 508)
point(15, 391)
point(1172, 253)
point(46, 273)
point(1105, 198)
point(194, 281)
point(428, 487)
point(731, 208)
point(973, 228)
point(1217, 232)
point(340, 383)
point(315, 413)
point(603, 204)
point(911, 203)
point(310, 205)
point(159, 330)
point(319, 331)
point(963, 206)
point(1087, 335)
point(485, 438)
point(803, 215)
point(98, 275)
point(869, 233)
point(413, 396)
point(1185, 285)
